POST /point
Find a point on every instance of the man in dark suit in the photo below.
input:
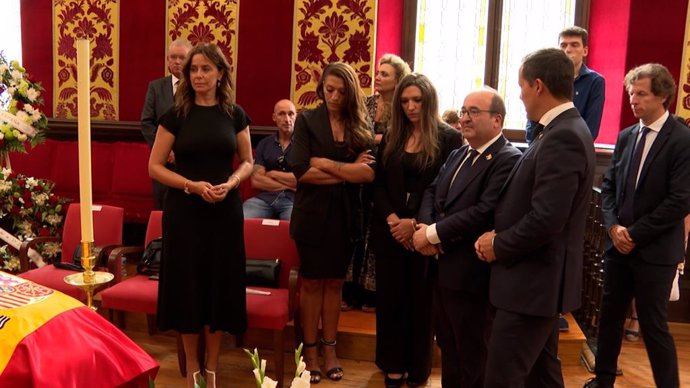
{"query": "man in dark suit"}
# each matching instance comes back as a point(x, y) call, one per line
point(159, 98)
point(645, 196)
point(458, 207)
point(536, 248)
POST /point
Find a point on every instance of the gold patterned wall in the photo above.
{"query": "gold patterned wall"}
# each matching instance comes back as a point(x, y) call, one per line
point(683, 104)
point(99, 21)
point(206, 21)
point(326, 31)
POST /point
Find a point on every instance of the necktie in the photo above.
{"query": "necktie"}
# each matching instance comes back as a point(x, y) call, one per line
point(464, 170)
point(625, 215)
point(175, 86)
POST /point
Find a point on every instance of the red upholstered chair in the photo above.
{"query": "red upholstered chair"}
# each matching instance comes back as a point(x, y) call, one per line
point(137, 293)
point(107, 229)
point(270, 240)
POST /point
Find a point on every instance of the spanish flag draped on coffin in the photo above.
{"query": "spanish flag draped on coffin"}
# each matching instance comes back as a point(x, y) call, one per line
point(48, 339)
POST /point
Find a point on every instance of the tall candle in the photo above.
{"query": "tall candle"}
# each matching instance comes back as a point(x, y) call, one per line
point(84, 124)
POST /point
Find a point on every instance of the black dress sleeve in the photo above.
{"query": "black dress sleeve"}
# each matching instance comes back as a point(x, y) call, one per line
point(299, 158)
point(171, 121)
point(240, 118)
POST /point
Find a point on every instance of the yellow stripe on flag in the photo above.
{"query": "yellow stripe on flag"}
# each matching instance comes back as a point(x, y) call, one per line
point(20, 322)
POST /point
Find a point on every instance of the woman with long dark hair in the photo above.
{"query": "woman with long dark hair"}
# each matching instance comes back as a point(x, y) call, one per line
point(411, 153)
point(202, 285)
point(330, 156)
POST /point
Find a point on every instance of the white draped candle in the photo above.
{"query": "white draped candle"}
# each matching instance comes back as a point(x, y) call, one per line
point(84, 124)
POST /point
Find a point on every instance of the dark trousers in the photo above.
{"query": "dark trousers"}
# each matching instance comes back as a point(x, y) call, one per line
point(463, 325)
point(523, 352)
point(403, 313)
point(626, 278)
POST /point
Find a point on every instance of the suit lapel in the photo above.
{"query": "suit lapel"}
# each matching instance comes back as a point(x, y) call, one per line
point(625, 162)
point(483, 161)
point(661, 139)
point(168, 91)
point(443, 184)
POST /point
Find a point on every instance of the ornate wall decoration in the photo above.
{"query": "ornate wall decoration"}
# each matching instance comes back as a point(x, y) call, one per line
point(97, 20)
point(683, 104)
point(205, 21)
point(326, 31)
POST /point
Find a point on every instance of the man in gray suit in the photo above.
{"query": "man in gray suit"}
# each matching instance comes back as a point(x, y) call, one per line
point(536, 248)
point(159, 98)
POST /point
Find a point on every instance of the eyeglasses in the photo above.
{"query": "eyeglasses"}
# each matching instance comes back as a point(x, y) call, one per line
point(474, 112)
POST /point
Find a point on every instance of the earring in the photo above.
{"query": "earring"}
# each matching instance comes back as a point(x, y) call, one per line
point(218, 83)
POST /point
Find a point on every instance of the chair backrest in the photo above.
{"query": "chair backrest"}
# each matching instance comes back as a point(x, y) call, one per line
point(270, 239)
point(154, 229)
point(107, 228)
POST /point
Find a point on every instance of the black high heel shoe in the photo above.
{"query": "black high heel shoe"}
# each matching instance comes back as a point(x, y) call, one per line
point(314, 375)
point(335, 373)
point(391, 382)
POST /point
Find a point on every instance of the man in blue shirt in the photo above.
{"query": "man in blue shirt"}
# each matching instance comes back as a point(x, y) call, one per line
point(589, 87)
point(272, 176)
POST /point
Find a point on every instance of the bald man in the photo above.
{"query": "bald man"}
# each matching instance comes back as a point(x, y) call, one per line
point(272, 176)
point(458, 208)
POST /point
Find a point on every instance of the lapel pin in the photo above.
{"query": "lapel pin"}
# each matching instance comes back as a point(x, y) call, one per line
point(541, 135)
point(489, 157)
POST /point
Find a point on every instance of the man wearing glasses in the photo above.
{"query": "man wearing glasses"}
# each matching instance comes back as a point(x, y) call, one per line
point(458, 207)
point(159, 98)
point(272, 176)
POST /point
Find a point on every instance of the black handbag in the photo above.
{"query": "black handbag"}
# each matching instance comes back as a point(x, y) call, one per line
point(150, 264)
point(263, 273)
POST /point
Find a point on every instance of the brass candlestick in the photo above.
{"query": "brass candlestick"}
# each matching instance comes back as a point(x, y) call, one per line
point(89, 279)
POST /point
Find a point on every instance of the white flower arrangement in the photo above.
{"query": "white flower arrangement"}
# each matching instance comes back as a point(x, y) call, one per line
point(20, 119)
point(301, 379)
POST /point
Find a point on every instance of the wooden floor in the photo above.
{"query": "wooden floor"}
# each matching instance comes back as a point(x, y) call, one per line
point(235, 370)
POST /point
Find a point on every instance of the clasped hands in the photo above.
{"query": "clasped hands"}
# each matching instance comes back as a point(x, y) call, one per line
point(483, 246)
point(620, 237)
point(211, 193)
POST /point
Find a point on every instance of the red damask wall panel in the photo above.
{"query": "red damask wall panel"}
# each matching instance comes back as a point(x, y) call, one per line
point(37, 46)
point(142, 52)
point(264, 56)
point(264, 50)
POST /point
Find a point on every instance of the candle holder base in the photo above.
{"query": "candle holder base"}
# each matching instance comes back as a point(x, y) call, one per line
point(99, 278)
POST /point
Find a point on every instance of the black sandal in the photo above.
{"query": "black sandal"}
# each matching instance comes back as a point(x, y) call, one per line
point(335, 373)
point(314, 375)
point(632, 335)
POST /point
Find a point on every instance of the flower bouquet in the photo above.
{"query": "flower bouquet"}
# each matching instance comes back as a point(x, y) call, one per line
point(33, 210)
point(20, 119)
point(301, 379)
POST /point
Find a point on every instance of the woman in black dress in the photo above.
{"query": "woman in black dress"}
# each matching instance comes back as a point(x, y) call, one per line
point(331, 153)
point(203, 265)
point(411, 153)
point(362, 287)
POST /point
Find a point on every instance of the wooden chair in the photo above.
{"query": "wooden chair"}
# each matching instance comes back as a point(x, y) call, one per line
point(107, 226)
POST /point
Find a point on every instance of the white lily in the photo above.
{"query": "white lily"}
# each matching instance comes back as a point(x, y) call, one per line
point(269, 383)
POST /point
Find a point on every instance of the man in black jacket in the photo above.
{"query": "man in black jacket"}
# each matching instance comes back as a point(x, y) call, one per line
point(645, 196)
